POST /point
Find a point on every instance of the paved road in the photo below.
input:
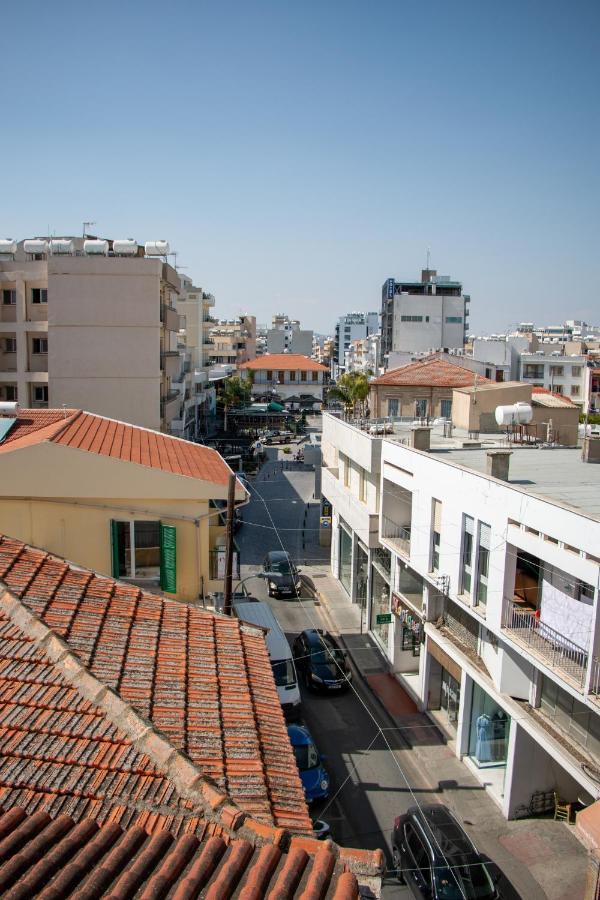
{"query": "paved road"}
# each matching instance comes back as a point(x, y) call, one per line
point(368, 789)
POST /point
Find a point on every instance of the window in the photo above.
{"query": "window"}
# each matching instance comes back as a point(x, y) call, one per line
point(10, 345)
point(558, 388)
point(533, 371)
point(281, 376)
point(574, 390)
point(421, 408)
point(362, 486)
point(9, 393)
point(39, 295)
point(467, 555)
point(346, 462)
point(40, 393)
point(499, 375)
point(315, 376)
point(436, 534)
point(269, 375)
point(483, 564)
point(39, 345)
point(144, 549)
point(303, 376)
point(292, 376)
point(576, 371)
point(488, 373)
point(556, 370)
point(453, 320)
point(427, 318)
point(392, 407)
point(419, 856)
point(411, 318)
point(446, 409)
point(9, 297)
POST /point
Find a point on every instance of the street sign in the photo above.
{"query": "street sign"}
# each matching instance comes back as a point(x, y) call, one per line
point(325, 522)
point(383, 618)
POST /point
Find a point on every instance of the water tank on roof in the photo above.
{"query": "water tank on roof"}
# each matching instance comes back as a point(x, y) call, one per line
point(156, 248)
point(36, 246)
point(9, 408)
point(515, 414)
point(95, 247)
point(126, 247)
point(7, 245)
point(61, 247)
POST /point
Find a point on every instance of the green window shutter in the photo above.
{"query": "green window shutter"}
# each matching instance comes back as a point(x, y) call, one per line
point(168, 558)
point(114, 547)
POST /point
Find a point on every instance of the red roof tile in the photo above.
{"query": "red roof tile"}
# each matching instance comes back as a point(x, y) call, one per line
point(106, 437)
point(430, 372)
point(544, 392)
point(202, 680)
point(293, 361)
point(63, 857)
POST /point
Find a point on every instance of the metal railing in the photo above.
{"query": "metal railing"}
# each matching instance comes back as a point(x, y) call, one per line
point(397, 534)
point(595, 678)
point(558, 651)
point(383, 559)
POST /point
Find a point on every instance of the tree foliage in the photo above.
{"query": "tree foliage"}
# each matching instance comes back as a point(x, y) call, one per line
point(352, 389)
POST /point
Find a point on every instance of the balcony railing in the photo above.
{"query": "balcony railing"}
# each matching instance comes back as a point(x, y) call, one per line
point(595, 679)
point(396, 534)
point(549, 645)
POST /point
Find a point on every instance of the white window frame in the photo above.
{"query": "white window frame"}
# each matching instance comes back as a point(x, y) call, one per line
point(43, 341)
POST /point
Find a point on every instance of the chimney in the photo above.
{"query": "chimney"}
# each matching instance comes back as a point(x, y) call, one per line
point(498, 463)
point(420, 438)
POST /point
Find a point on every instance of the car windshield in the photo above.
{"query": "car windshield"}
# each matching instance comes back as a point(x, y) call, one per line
point(468, 882)
point(282, 566)
point(307, 756)
point(327, 657)
point(283, 670)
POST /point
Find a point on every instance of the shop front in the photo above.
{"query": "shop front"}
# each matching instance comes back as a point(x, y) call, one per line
point(443, 695)
point(346, 559)
point(361, 575)
point(380, 612)
point(489, 732)
point(409, 636)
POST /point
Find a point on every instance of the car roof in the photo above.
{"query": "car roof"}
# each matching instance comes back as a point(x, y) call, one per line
point(262, 615)
point(299, 735)
point(450, 839)
point(278, 554)
point(314, 636)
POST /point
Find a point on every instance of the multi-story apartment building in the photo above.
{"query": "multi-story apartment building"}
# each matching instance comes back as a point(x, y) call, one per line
point(363, 355)
point(232, 342)
point(352, 327)
point(481, 589)
point(431, 314)
point(92, 324)
point(197, 395)
point(286, 336)
point(560, 374)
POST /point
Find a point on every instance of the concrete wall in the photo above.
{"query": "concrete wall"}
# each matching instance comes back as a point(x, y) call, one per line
point(426, 335)
point(474, 411)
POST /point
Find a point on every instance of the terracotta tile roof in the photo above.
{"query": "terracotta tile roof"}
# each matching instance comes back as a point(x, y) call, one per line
point(119, 440)
point(544, 397)
point(430, 372)
point(64, 857)
point(284, 361)
point(204, 681)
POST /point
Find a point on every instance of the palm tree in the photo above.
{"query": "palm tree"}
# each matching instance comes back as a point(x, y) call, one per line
point(352, 389)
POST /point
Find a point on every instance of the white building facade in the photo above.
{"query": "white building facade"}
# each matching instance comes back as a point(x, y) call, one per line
point(560, 374)
point(352, 327)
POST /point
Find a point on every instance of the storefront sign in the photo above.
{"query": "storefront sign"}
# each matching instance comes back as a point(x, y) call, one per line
point(325, 522)
point(325, 508)
point(383, 618)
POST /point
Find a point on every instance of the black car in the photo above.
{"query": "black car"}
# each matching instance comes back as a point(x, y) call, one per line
point(282, 576)
point(320, 661)
point(435, 857)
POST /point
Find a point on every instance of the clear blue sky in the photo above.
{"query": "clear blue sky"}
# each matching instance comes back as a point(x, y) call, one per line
point(295, 155)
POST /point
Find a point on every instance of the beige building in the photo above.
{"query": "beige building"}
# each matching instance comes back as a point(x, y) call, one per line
point(554, 418)
point(81, 325)
point(232, 342)
point(122, 500)
point(196, 394)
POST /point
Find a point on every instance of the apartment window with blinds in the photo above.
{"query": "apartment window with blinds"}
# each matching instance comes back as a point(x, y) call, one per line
point(436, 535)
point(467, 556)
point(483, 564)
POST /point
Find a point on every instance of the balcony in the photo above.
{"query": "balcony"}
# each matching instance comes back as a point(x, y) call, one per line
point(395, 534)
point(169, 317)
point(544, 643)
point(170, 363)
point(169, 405)
point(200, 376)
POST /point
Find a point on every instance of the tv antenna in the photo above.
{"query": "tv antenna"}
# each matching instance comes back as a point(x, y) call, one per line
point(85, 227)
point(428, 257)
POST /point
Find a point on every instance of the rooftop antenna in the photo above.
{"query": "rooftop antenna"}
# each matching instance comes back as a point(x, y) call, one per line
point(85, 224)
point(428, 257)
point(175, 254)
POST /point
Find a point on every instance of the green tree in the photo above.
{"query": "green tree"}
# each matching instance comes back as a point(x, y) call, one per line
point(351, 389)
point(236, 392)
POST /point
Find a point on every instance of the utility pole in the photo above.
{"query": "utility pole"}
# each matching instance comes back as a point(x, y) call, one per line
point(229, 546)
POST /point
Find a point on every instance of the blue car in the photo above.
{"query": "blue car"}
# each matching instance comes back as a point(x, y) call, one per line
point(315, 779)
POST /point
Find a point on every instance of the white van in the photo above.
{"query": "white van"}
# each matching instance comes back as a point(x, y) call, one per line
point(257, 613)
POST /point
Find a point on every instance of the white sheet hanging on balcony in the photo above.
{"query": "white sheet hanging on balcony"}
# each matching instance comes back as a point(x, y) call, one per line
point(568, 617)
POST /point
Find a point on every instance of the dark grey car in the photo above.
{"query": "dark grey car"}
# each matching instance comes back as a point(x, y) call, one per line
point(282, 576)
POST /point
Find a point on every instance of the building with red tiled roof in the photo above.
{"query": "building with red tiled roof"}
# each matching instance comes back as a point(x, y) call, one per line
point(420, 389)
point(122, 500)
point(142, 742)
point(283, 375)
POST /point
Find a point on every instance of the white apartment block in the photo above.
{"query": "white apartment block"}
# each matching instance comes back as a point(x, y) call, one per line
point(197, 395)
point(363, 355)
point(352, 327)
point(90, 324)
point(560, 374)
point(420, 316)
point(481, 589)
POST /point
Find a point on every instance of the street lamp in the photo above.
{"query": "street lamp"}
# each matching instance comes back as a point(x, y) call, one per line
point(247, 578)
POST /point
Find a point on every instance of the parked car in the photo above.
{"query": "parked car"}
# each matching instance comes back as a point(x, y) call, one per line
point(436, 858)
point(320, 661)
point(283, 578)
point(313, 776)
